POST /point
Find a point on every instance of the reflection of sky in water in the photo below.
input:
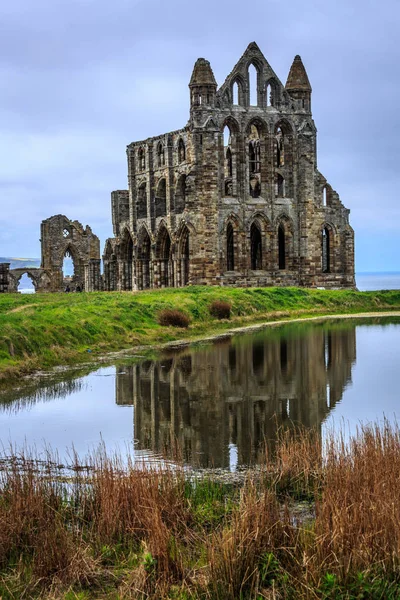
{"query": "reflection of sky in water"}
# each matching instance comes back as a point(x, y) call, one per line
point(85, 417)
point(374, 389)
point(213, 398)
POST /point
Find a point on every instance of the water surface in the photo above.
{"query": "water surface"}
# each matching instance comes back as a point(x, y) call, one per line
point(220, 402)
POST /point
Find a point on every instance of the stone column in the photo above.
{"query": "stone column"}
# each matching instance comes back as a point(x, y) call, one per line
point(92, 275)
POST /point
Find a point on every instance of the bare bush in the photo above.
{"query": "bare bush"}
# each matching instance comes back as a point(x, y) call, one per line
point(173, 318)
point(220, 309)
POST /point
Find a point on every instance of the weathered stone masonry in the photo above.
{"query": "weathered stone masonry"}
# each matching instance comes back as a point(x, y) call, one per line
point(60, 237)
point(235, 197)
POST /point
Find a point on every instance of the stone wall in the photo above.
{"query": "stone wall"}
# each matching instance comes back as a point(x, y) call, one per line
point(4, 277)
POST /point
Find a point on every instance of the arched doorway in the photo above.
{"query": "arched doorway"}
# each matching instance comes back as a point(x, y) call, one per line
point(164, 259)
point(143, 260)
point(255, 247)
point(126, 255)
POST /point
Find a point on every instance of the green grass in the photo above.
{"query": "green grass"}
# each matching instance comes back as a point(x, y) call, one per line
point(40, 331)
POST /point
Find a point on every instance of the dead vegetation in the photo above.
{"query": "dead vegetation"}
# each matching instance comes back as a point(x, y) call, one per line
point(114, 530)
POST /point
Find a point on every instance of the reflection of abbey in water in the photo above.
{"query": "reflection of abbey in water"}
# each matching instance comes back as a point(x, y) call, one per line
point(226, 399)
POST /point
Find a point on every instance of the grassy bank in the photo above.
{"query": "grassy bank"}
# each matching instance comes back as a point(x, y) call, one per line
point(115, 532)
point(40, 331)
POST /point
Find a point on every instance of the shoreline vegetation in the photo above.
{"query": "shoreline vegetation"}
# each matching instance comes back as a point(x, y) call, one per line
point(116, 531)
point(46, 330)
point(39, 332)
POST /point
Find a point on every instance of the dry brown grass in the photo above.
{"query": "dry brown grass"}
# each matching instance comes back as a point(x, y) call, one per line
point(140, 533)
point(173, 318)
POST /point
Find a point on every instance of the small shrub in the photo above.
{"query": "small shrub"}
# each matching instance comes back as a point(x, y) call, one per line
point(220, 309)
point(175, 318)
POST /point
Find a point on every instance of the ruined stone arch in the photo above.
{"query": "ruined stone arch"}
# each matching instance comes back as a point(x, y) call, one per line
point(15, 276)
point(328, 243)
point(141, 157)
point(228, 156)
point(271, 92)
point(251, 93)
point(161, 198)
point(141, 202)
point(258, 259)
point(260, 124)
point(180, 194)
point(238, 80)
point(160, 154)
point(125, 262)
point(184, 244)
point(284, 243)
point(143, 259)
point(231, 237)
point(181, 150)
point(163, 273)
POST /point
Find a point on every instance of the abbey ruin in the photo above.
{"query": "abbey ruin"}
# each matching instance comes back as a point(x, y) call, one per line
point(234, 198)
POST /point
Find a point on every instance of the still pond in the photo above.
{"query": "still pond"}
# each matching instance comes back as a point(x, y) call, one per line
point(221, 402)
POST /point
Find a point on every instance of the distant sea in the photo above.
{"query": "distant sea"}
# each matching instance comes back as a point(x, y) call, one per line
point(365, 282)
point(378, 281)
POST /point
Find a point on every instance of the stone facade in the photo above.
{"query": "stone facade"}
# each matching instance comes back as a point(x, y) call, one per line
point(235, 197)
point(60, 237)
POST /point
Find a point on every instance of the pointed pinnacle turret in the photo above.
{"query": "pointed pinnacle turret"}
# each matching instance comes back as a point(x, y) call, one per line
point(298, 79)
point(202, 73)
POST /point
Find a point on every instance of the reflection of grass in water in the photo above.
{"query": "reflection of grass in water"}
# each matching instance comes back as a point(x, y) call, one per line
point(42, 330)
point(116, 531)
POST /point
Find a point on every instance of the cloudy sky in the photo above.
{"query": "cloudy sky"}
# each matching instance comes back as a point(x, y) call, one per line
point(80, 79)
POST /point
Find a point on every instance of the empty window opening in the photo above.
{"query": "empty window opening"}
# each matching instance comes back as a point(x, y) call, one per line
point(26, 284)
point(229, 162)
point(227, 136)
point(181, 150)
point(255, 187)
point(324, 196)
point(66, 233)
point(161, 199)
point(280, 148)
point(280, 186)
point(269, 96)
point(326, 263)
point(161, 155)
point(141, 159)
point(253, 77)
point(281, 248)
point(230, 248)
point(142, 202)
point(235, 94)
point(200, 99)
point(180, 194)
point(255, 247)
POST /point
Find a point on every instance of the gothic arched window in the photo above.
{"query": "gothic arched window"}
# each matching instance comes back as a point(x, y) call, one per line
point(230, 248)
